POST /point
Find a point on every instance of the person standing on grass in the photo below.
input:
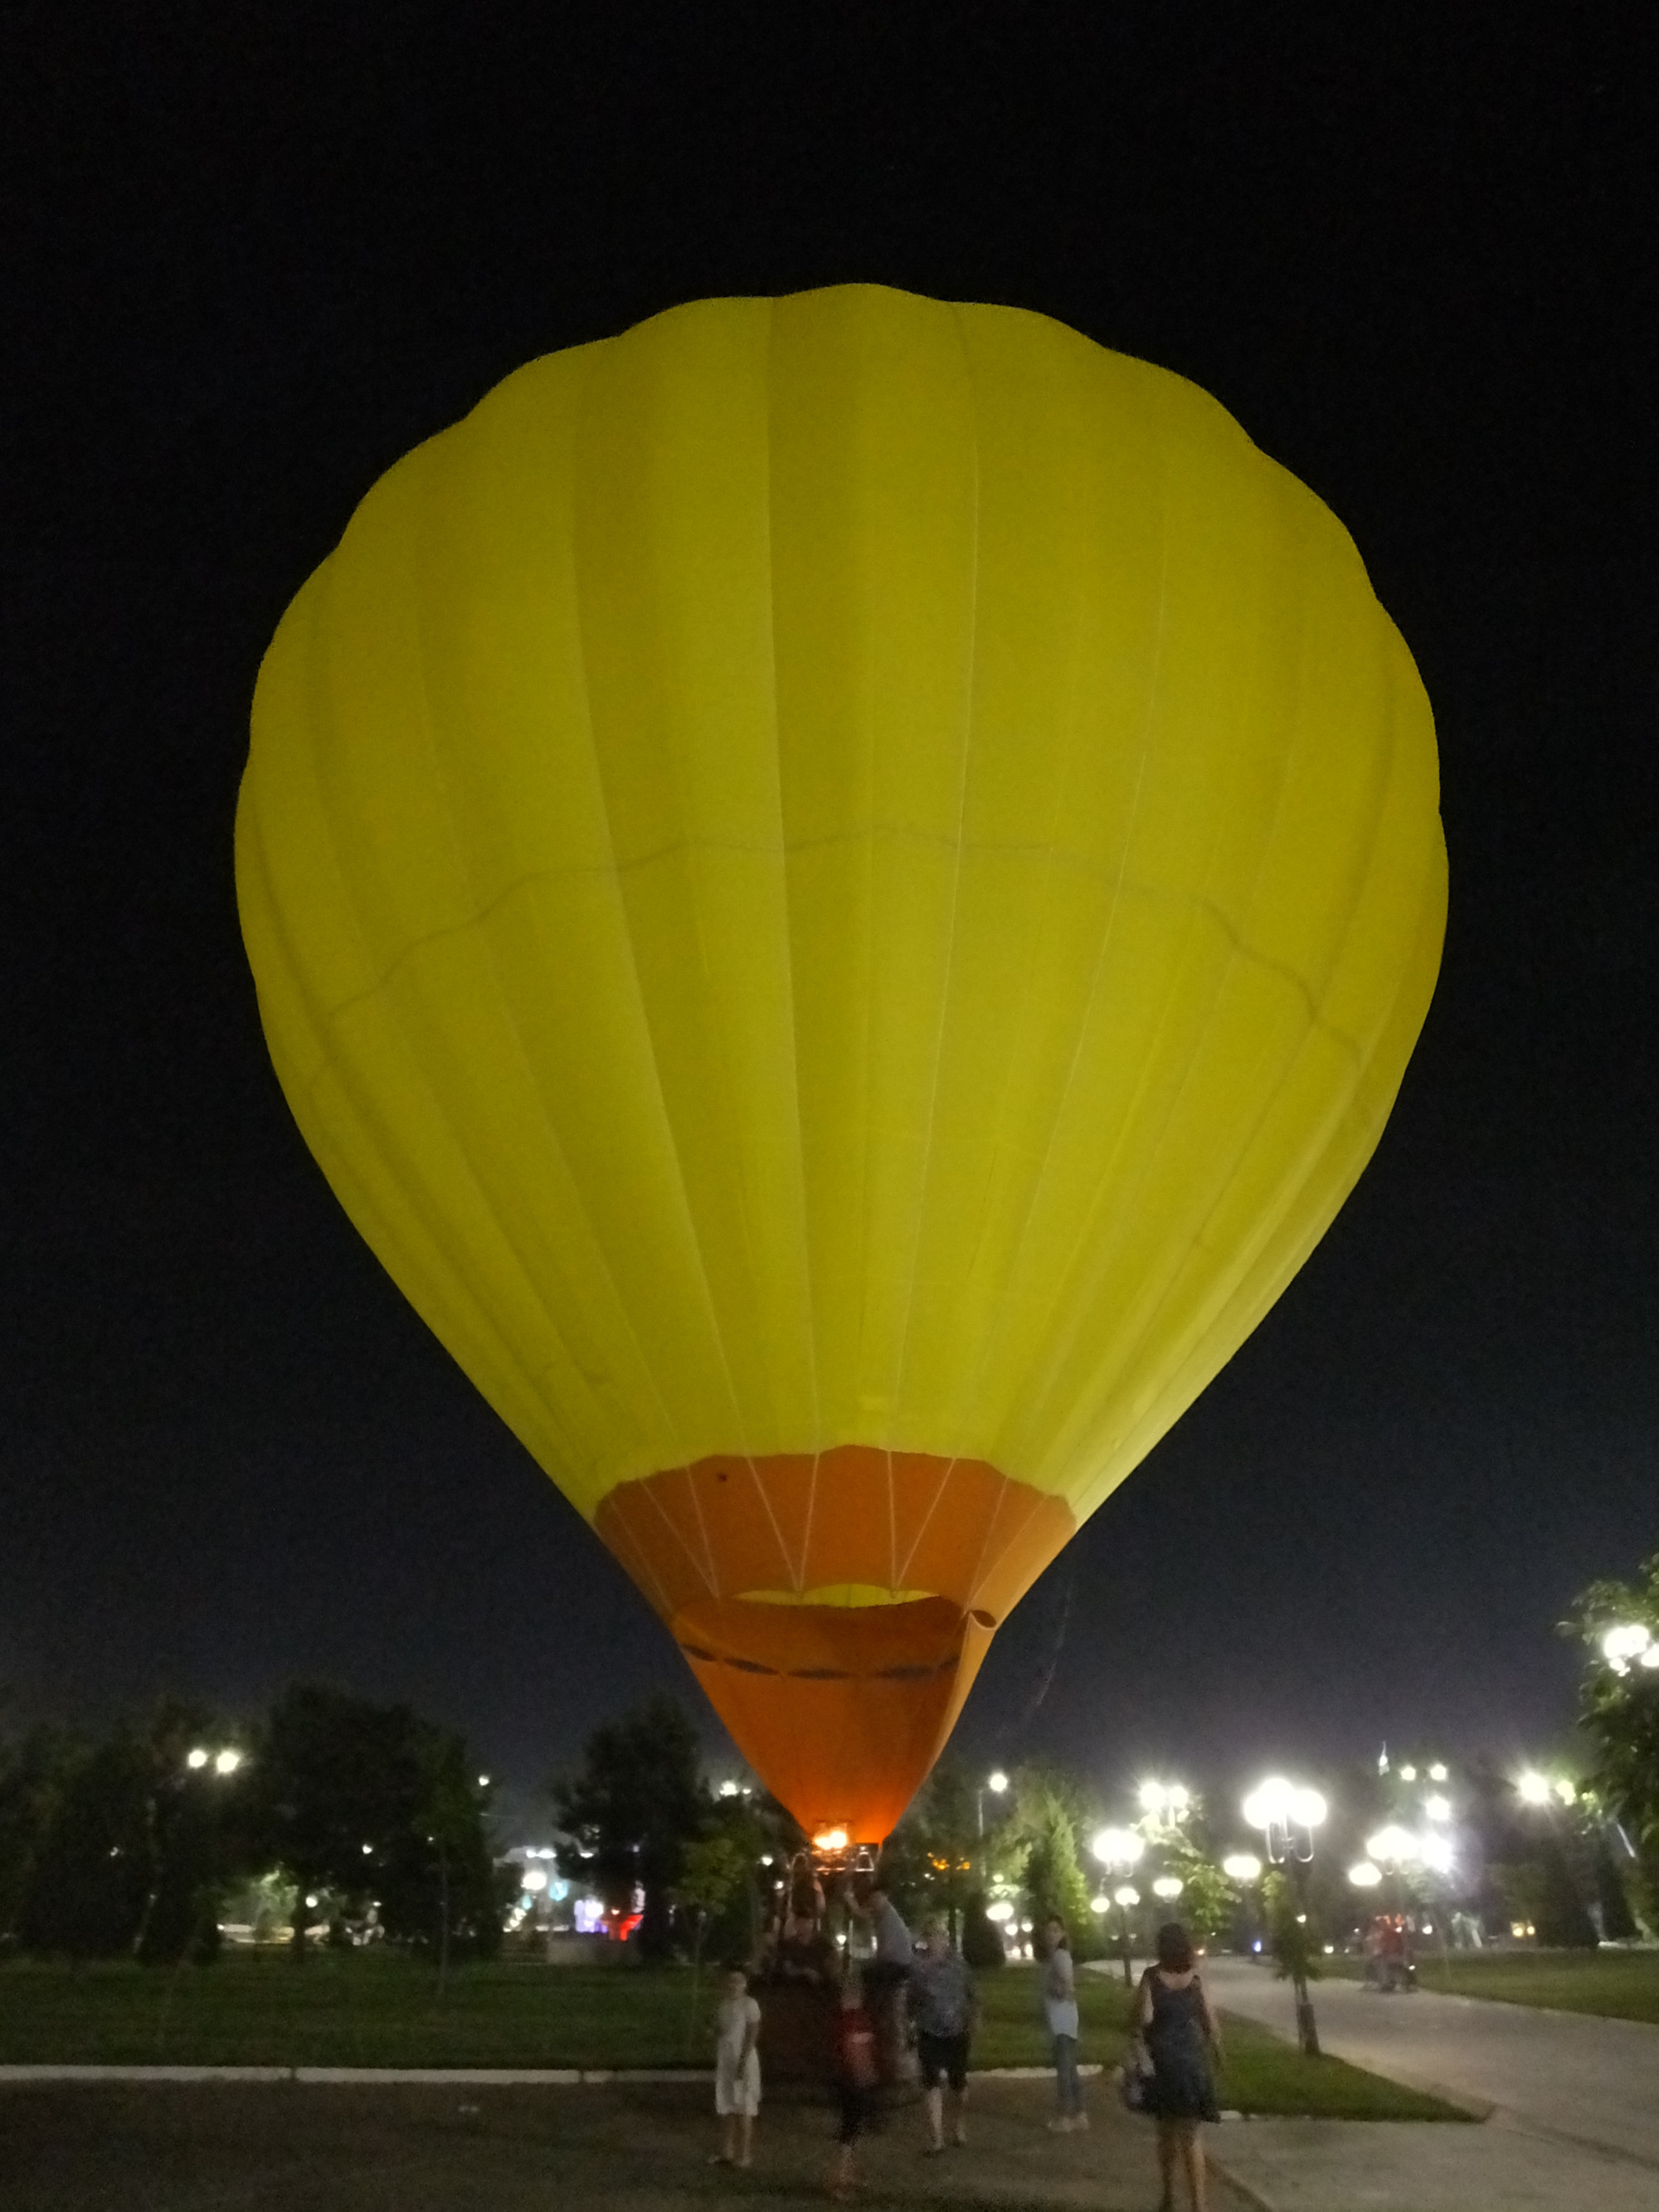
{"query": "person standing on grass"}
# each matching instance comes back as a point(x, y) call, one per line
point(736, 2069)
point(1178, 2031)
point(1059, 2010)
point(857, 2074)
point(946, 2013)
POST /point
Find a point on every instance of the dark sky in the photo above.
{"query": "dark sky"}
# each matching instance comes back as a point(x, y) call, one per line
point(253, 254)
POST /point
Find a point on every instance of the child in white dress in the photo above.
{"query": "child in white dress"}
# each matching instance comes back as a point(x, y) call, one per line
point(736, 2069)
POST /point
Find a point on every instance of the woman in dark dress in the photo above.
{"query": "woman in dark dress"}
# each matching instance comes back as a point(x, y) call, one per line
point(1175, 2023)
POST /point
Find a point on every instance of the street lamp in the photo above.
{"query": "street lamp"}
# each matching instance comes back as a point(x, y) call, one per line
point(1118, 1850)
point(1242, 1867)
point(1288, 1814)
point(1366, 1875)
point(996, 1782)
point(1629, 1642)
point(1169, 1886)
point(1164, 1801)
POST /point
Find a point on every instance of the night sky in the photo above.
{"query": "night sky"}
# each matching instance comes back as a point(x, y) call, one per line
point(253, 254)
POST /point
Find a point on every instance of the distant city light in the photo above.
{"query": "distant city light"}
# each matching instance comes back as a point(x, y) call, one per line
point(1408, 1774)
point(1438, 1809)
point(728, 1790)
point(227, 1762)
point(1241, 1866)
point(535, 1879)
point(483, 1782)
point(1366, 1875)
point(1437, 1772)
point(196, 1759)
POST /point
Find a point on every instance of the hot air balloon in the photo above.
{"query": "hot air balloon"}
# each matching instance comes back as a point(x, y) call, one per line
point(841, 886)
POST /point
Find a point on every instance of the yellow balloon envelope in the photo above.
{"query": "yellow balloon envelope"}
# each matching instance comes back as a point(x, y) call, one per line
point(842, 887)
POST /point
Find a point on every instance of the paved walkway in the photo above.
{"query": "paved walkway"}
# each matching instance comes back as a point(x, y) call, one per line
point(289, 2146)
point(1574, 2103)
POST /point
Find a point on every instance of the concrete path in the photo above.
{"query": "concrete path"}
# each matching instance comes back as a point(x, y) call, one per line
point(1574, 2103)
point(1423, 2166)
point(286, 2147)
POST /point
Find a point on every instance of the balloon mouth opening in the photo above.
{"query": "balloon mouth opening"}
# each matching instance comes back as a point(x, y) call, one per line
point(837, 1632)
point(856, 1594)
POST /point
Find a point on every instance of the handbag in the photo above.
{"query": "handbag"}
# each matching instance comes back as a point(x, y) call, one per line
point(1134, 2083)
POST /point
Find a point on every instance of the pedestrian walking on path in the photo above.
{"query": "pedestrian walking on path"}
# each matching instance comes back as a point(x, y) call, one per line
point(1059, 2010)
point(942, 1999)
point(856, 2076)
point(736, 2069)
point(1177, 2029)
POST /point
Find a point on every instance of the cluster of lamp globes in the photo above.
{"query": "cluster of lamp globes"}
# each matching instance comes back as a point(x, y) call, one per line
point(221, 1762)
point(1630, 1644)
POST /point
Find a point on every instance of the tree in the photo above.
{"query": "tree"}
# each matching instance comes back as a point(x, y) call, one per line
point(634, 1808)
point(1618, 1711)
point(1562, 1919)
point(930, 1863)
point(1042, 1832)
point(1618, 1922)
point(85, 1891)
point(982, 1939)
point(1208, 1903)
point(31, 1772)
point(119, 1846)
point(1293, 1942)
point(374, 1805)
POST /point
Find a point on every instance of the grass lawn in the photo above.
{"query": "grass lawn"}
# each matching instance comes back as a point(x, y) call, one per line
point(1619, 1985)
point(369, 2009)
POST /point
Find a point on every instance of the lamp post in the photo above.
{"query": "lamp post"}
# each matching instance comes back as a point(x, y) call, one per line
point(1244, 1869)
point(1125, 1896)
point(1118, 1852)
point(997, 1782)
point(1288, 1814)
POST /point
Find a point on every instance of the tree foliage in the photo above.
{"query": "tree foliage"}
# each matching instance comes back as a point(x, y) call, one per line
point(1618, 1712)
point(933, 1861)
point(375, 1807)
point(1044, 1832)
point(636, 1805)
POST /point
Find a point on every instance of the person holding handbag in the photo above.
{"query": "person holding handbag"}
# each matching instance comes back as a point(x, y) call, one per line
point(1176, 2029)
